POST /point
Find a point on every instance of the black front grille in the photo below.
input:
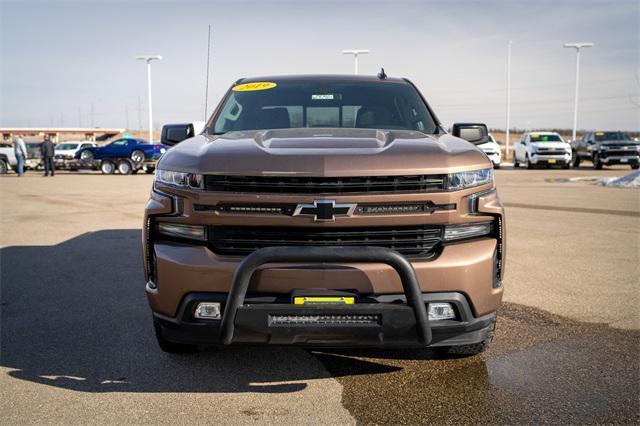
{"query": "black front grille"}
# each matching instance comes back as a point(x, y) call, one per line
point(618, 153)
point(413, 241)
point(325, 185)
point(551, 152)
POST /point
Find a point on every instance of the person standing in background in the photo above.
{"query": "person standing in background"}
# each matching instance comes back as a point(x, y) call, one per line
point(48, 152)
point(20, 150)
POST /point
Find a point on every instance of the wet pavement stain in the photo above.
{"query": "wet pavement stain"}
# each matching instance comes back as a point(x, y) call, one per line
point(540, 368)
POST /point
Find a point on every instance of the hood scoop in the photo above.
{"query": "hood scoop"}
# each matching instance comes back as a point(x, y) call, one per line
point(323, 138)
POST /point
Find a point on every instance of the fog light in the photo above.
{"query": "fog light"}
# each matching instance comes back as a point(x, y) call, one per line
point(207, 311)
point(441, 311)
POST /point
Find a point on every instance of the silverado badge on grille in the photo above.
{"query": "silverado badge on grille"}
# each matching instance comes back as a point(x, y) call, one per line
point(324, 210)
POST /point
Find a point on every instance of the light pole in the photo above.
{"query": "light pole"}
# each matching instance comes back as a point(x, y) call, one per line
point(507, 143)
point(576, 46)
point(148, 59)
point(355, 53)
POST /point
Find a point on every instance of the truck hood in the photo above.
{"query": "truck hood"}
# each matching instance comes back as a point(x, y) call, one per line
point(324, 152)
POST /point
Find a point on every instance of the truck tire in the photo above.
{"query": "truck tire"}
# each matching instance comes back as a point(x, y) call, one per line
point(468, 350)
point(597, 164)
point(528, 162)
point(515, 162)
point(125, 167)
point(107, 167)
point(137, 156)
point(3, 167)
point(576, 159)
point(635, 166)
point(149, 170)
point(171, 347)
point(86, 155)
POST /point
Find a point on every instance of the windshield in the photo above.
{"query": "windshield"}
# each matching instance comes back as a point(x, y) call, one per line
point(545, 138)
point(347, 104)
point(67, 146)
point(612, 136)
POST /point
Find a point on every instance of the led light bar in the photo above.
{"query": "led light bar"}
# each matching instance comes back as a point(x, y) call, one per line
point(367, 319)
point(402, 208)
point(192, 232)
point(458, 232)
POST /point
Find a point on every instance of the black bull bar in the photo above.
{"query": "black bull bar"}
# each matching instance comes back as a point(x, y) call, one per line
point(252, 262)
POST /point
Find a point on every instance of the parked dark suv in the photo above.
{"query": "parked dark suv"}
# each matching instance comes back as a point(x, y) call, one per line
point(325, 211)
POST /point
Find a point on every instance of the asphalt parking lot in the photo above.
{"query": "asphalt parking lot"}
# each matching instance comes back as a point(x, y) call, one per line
point(76, 341)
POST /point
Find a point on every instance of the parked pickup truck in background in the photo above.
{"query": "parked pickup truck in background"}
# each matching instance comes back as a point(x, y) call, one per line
point(542, 148)
point(7, 157)
point(606, 148)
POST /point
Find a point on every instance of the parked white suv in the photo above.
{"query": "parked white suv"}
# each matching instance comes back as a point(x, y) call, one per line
point(542, 148)
point(492, 149)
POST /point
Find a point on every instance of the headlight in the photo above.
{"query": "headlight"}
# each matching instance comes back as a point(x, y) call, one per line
point(179, 179)
point(467, 230)
point(464, 180)
point(193, 232)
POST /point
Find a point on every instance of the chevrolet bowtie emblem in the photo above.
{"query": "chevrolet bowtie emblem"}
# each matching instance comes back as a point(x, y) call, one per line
point(324, 210)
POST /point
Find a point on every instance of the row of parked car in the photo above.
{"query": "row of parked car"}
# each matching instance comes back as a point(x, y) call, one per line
point(549, 149)
point(130, 155)
point(126, 155)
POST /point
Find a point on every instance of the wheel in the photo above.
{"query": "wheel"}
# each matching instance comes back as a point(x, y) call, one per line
point(528, 162)
point(124, 167)
point(149, 170)
point(515, 162)
point(496, 166)
point(86, 155)
point(137, 156)
point(576, 159)
point(597, 164)
point(635, 166)
point(566, 165)
point(107, 167)
point(3, 167)
point(468, 350)
point(171, 347)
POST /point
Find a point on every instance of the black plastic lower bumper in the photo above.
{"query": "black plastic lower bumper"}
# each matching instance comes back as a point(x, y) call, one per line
point(402, 321)
point(395, 325)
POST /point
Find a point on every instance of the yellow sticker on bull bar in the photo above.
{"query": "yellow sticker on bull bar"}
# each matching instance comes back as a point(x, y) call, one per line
point(324, 300)
point(250, 87)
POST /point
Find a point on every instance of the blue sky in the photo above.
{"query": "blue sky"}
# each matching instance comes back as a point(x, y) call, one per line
point(60, 60)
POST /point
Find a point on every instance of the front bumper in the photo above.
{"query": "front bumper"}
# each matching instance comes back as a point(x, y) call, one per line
point(620, 159)
point(550, 159)
point(396, 326)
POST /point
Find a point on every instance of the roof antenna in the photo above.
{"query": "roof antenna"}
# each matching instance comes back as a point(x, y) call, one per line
point(382, 75)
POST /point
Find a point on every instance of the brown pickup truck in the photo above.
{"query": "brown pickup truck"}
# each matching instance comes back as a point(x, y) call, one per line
point(324, 211)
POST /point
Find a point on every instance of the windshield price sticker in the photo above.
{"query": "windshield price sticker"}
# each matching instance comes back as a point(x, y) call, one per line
point(250, 87)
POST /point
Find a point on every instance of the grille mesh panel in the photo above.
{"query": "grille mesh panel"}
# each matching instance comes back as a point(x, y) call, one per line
point(415, 241)
point(325, 185)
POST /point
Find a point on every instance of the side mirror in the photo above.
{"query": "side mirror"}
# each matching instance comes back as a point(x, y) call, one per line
point(476, 133)
point(173, 134)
